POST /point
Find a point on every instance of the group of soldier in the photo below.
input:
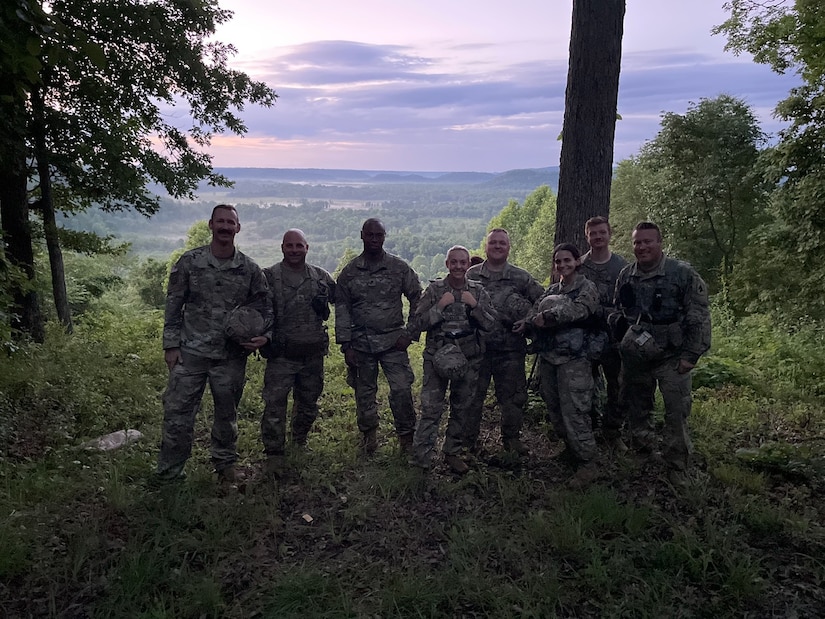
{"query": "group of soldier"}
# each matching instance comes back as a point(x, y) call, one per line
point(638, 325)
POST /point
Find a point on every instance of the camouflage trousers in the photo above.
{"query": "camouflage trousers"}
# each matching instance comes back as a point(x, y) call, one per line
point(506, 369)
point(305, 378)
point(433, 393)
point(639, 381)
point(567, 389)
point(399, 375)
point(607, 398)
point(181, 402)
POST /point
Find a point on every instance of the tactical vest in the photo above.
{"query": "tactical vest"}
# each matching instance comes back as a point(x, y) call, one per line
point(457, 327)
point(299, 321)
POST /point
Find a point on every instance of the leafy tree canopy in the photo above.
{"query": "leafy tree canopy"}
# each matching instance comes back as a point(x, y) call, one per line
point(111, 73)
point(789, 36)
point(699, 178)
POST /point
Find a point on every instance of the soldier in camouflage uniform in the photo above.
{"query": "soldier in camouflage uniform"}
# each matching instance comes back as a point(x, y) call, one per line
point(513, 292)
point(663, 324)
point(456, 311)
point(301, 294)
point(205, 285)
point(369, 326)
point(601, 266)
point(562, 320)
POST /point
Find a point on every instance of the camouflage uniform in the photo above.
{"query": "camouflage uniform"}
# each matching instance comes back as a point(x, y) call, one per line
point(458, 324)
point(369, 317)
point(605, 276)
point(202, 291)
point(564, 366)
point(295, 355)
point(505, 351)
point(670, 305)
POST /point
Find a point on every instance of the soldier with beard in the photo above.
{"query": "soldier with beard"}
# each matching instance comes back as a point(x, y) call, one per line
point(205, 286)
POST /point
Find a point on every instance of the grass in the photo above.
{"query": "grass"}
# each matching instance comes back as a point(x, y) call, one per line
point(84, 534)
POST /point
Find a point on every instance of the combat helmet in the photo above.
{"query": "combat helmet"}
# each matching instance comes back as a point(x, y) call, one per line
point(243, 323)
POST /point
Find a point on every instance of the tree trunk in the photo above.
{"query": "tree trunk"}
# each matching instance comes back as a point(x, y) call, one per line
point(50, 231)
point(14, 210)
point(586, 167)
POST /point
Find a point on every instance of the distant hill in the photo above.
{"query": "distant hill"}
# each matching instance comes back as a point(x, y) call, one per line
point(512, 179)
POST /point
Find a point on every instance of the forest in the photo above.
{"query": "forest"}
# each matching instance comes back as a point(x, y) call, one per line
point(92, 228)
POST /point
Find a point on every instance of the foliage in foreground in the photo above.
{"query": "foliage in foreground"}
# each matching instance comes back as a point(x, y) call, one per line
point(84, 533)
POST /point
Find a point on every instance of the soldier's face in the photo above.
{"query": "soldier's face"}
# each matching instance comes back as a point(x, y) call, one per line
point(373, 235)
point(457, 263)
point(294, 248)
point(497, 247)
point(224, 225)
point(598, 236)
point(565, 263)
point(647, 247)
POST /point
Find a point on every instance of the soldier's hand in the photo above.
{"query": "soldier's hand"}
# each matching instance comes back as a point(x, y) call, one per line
point(172, 357)
point(468, 299)
point(685, 366)
point(545, 319)
point(446, 299)
point(402, 343)
point(351, 358)
point(520, 326)
point(255, 343)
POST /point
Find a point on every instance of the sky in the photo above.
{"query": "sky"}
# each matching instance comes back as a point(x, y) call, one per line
point(462, 85)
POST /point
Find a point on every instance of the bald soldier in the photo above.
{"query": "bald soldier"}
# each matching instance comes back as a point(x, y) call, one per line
point(301, 298)
point(513, 292)
point(370, 327)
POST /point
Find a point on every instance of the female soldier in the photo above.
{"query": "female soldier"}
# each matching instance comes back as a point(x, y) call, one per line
point(562, 320)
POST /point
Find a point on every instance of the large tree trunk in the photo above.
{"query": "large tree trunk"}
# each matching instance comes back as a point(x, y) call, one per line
point(14, 209)
point(592, 92)
point(50, 231)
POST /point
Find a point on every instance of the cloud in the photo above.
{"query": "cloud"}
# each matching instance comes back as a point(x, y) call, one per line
point(397, 107)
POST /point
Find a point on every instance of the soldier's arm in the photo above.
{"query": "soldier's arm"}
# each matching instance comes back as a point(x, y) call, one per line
point(534, 290)
point(412, 290)
point(484, 314)
point(343, 313)
point(331, 286)
point(176, 294)
point(696, 326)
point(261, 299)
point(584, 305)
point(426, 315)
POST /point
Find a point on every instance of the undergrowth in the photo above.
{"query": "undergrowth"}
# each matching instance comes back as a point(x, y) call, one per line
point(85, 534)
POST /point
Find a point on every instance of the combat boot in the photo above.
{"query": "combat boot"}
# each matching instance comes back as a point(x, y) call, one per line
point(584, 475)
point(405, 443)
point(456, 464)
point(615, 445)
point(369, 441)
point(274, 466)
point(230, 475)
point(516, 446)
point(678, 479)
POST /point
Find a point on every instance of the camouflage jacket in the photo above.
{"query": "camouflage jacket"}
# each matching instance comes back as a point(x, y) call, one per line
point(369, 311)
point(566, 337)
point(300, 306)
point(672, 301)
point(202, 291)
point(604, 276)
point(512, 291)
point(457, 322)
